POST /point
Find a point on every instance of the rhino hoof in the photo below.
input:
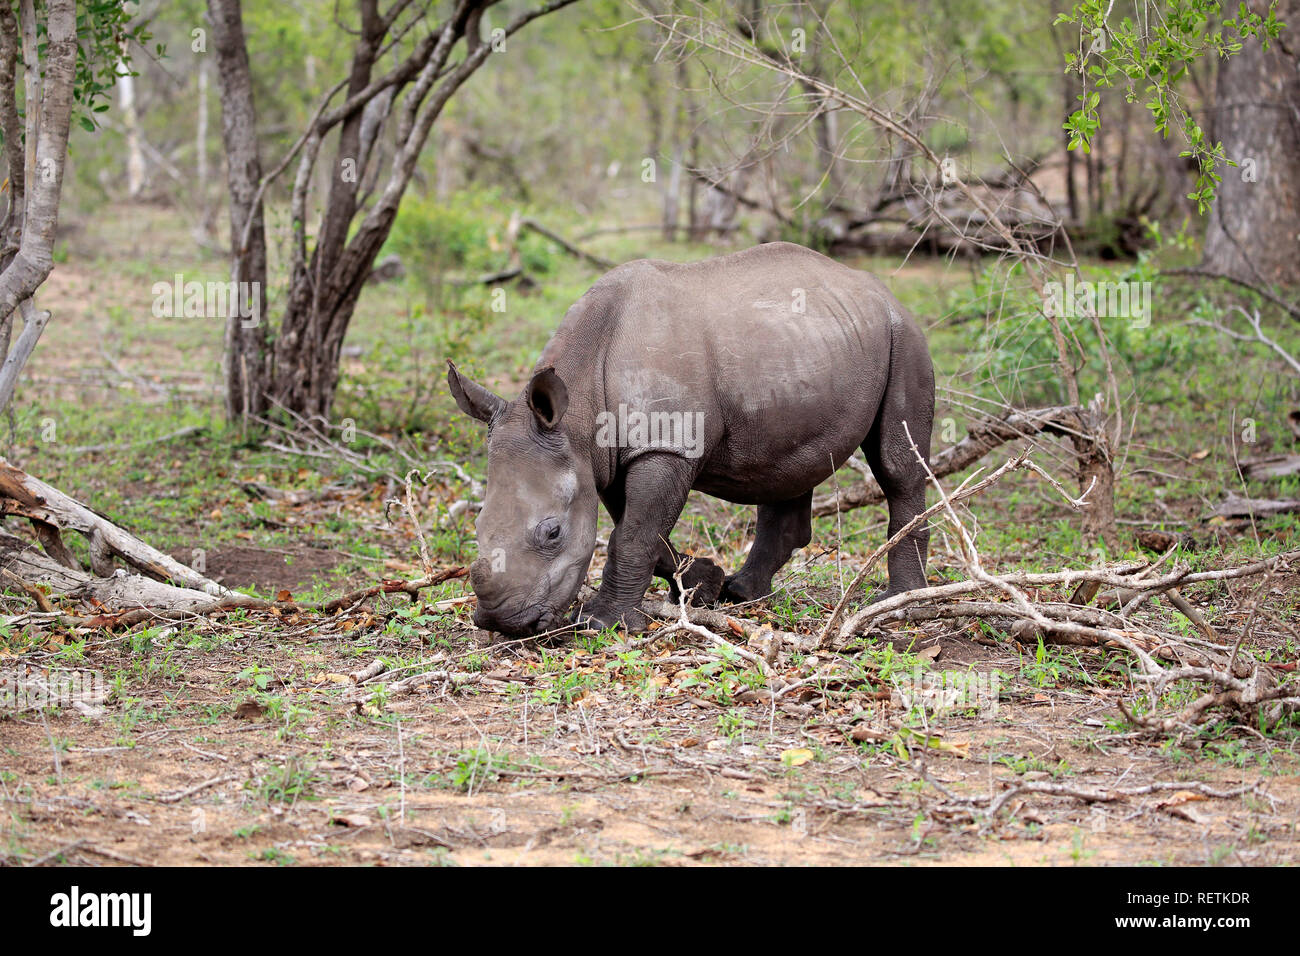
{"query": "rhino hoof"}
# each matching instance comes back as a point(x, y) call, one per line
point(892, 591)
point(633, 621)
point(741, 590)
point(706, 578)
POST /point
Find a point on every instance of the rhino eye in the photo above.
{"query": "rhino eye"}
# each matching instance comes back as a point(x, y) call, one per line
point(547, 532)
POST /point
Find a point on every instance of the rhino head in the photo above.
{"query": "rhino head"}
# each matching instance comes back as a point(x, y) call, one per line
point(537, 529)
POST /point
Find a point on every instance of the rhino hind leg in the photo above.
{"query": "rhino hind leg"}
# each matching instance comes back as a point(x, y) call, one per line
point(908, 409)
point(783, 529)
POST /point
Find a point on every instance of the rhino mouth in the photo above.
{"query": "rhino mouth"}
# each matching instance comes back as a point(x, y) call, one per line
point(534, 614)
point(524, 622)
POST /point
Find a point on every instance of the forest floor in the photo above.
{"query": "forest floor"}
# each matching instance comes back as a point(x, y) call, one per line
point(244, 738)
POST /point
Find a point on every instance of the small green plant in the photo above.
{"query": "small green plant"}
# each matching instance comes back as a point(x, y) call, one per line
point(721, 680)
point(256, 675)
point(274, 855)
point(734, 722)
point(288, 783)
point(1148, 62)
point(474, 767)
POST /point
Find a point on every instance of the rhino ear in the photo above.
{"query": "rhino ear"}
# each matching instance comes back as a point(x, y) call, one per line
point(474, 400)
point(548, 398)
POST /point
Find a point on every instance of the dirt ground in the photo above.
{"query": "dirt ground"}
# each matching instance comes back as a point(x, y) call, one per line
point(198, 763)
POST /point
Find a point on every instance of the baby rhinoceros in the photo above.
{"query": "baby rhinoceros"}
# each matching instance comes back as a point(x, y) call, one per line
point(750, 377)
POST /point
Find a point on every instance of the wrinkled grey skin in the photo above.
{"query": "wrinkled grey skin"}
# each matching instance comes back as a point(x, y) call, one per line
point(784, 397)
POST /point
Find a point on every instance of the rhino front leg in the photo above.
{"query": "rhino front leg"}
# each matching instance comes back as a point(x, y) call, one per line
point(703, 578)
point(782, 530)
point(654, 492)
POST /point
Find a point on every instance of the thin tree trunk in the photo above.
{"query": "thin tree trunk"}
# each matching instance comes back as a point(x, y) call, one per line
point(247, 370)
point(201, 149)
point(325, 285)
point(49, 83)
point(695, 228)
point(11, 127)
point(131, 129)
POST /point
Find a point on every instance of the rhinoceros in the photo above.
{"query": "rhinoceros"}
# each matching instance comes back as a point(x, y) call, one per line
point(750, 377)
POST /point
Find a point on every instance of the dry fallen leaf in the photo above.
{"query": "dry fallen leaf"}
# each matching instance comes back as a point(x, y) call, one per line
point(284, 595)
point(934, 742)
point(796, 757)
point(249, 710)
point(332, 678)
point(862, 732)
point(1189, 813)
point(352, 820)
point(1182, 796)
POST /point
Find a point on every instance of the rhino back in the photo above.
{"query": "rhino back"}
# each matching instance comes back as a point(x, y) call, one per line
point(781, 353)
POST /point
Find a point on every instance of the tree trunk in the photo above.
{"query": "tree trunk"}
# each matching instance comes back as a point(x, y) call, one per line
point(131, 130)
point(1254, 229)
point(247, 369)
point(1096, 471)
point(201, 151)
point(49, 83)
point(324, 285)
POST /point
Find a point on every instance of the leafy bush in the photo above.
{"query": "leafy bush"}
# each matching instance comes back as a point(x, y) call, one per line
point(460, 238)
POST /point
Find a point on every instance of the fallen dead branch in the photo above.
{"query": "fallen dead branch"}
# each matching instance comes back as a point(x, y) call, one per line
point(1126, 578)
point(373, 669)
point(1235, 506)
point(992, 805)
point(161, 439)
point(359, 697)
point(684, 623)
point(1253, 688)
point(767, 641)
point(51, 512)
point(123, 600)
point(966, 490)
point(384, 587)
point(177, 796)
